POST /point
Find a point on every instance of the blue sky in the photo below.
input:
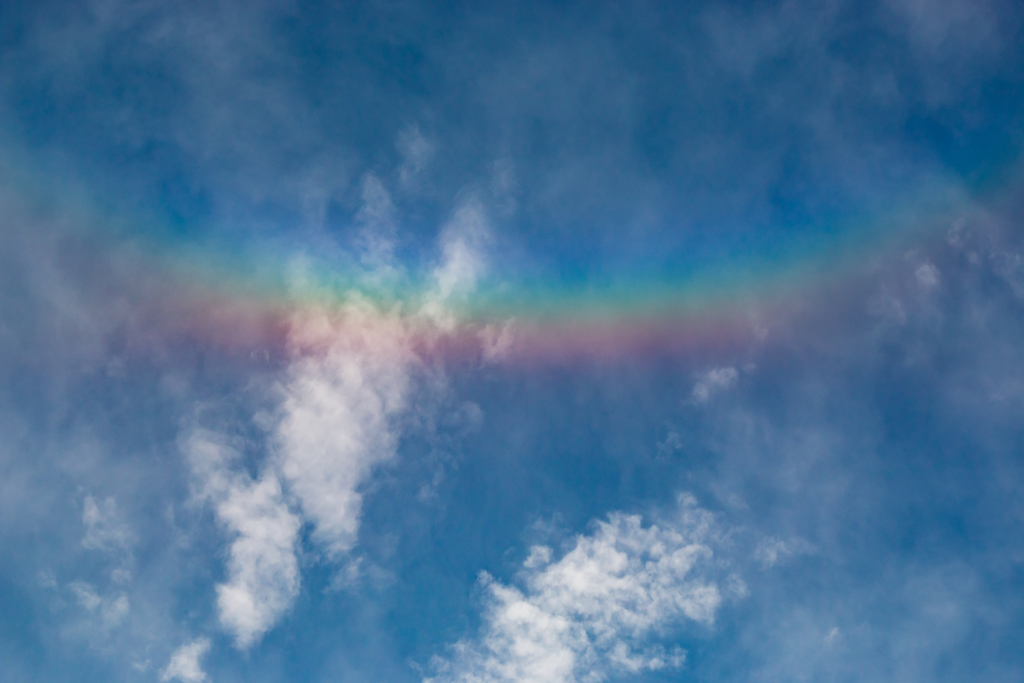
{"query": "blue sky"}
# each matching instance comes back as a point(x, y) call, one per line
point(251, 434)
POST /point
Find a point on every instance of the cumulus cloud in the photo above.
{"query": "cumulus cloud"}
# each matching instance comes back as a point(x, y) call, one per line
point(348, 378)
point(336, 413)
point(351, 374)
point(186, 662)
point(599, 609)
point(263, 571)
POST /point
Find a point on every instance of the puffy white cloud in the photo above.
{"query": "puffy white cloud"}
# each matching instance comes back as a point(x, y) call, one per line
point(263, 572)
point(336, 414)
point(348, 382)
point(186, 662)
point(350, 379)
point(597, 610)
point(262, 569)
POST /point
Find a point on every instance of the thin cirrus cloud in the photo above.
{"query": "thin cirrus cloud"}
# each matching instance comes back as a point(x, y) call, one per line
point(106, 532)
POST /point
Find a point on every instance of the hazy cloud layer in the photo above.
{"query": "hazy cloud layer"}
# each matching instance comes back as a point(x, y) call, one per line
point(243, 434)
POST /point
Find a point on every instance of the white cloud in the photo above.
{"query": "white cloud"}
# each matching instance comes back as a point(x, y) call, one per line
point(462, 262)
point(262, 568)
point(336, 414)
point(186, 662)
point(598, 610)
point(461, 242)
point(712, 381)
point(263, 572)
point(349, 381)
point(103, 528)
point(346, 385)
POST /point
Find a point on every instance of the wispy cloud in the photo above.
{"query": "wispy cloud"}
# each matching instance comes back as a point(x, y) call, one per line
point(376, 219)
point(772, 551)
point(714, 381)
point(339, 402)
point(632, 146)
point(105, 531)
point(109, 610)
point(463, 263)
point(416, 152)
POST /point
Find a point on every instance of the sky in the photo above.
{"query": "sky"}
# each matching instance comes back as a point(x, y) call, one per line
point(539, 343)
